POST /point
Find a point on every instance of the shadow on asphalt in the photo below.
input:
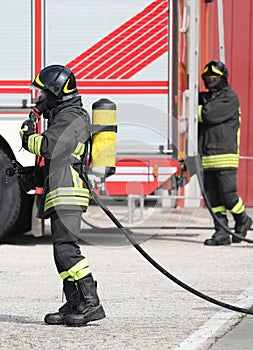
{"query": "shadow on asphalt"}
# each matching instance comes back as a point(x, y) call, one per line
point(18, 319)
point(103, 237)
point(113, 237)
point(28, 239)
point(26, 320)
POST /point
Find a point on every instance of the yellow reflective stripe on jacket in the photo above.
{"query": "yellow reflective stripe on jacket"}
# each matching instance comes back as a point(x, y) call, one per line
point(239, 207)
point(67, 196)
point(238, 139)
point(78, 183)
point(200, 113)
point(220, 161)
point(79, 151)
point(78, 271)
point(34, 144)
point(81, 202)
point(68, 191)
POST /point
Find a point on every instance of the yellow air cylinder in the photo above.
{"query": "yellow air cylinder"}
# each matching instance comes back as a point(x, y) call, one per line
point(104, 138)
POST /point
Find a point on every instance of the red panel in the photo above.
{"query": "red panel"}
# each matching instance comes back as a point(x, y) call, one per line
point(213, 31)
point(38, 36)
point(238, 16)
point(239, 55)
point(133, 185)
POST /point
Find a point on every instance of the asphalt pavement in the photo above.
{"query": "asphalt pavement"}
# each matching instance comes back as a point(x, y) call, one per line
point(145, 309)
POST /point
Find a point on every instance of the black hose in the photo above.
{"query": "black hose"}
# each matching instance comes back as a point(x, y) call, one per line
point(156, 264)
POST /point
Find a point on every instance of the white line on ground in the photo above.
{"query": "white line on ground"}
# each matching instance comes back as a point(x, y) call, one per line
point(217, 322)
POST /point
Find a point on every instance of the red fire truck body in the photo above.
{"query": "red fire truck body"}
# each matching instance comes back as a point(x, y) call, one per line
point(143, 55)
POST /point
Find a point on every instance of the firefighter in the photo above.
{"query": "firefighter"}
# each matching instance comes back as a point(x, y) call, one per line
point(65, 196)
point(219, 130)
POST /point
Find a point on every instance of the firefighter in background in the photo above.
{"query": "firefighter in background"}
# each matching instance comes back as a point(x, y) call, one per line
point(62, 146)
point(219, 130)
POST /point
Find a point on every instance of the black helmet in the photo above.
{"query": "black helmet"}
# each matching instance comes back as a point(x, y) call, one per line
point(218, 71)
point(57, 84)
point(57, 79)
point(215, 68)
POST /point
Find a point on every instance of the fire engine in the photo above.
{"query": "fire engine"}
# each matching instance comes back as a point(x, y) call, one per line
point(143, 55)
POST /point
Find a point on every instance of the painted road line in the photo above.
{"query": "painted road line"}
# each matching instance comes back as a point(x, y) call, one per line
point(217, 322)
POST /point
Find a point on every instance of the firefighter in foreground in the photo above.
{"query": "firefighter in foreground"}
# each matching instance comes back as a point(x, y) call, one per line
point(62, 146)
point(219, 131)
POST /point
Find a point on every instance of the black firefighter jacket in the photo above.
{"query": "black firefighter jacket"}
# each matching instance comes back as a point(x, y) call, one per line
point(68, 129)
point(219, 129)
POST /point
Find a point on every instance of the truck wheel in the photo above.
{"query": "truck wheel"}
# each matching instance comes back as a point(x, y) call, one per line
point(15, 204)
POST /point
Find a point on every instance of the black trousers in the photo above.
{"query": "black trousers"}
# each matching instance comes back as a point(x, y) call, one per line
point(221, 188)
point(65, 227)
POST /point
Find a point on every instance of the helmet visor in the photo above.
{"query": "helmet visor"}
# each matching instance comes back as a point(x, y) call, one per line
point(36, 93)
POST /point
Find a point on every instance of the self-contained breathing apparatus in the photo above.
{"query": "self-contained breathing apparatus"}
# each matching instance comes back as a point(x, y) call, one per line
point(99, 160)
point(103, 147)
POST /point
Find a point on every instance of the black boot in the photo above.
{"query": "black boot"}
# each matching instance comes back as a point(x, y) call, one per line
point(73, 300)
point(242, 224)
point(89, 308)
point(220, 236)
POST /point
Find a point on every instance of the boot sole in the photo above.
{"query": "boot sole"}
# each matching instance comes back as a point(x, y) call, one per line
point(78, 320)
point(216, 244)
point(238, 240)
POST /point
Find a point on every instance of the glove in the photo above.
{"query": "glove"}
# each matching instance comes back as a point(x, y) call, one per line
point(27, 129)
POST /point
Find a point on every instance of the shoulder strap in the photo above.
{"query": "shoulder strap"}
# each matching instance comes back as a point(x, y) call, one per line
point(86, 158)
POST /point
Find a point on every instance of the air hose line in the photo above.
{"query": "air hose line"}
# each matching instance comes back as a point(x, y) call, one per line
point(154, 262)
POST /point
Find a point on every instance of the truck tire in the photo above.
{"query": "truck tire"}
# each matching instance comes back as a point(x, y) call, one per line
point(15, 204)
